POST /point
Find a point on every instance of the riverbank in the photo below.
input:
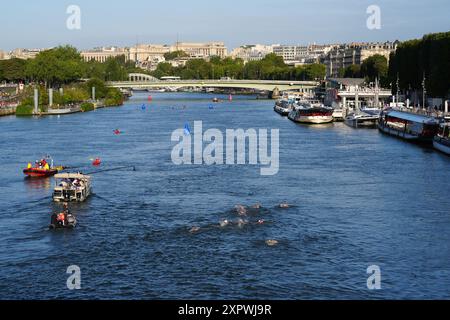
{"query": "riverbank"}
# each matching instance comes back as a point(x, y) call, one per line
point(7, 111)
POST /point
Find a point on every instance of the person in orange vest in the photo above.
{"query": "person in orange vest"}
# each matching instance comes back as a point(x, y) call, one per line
point(61, 218)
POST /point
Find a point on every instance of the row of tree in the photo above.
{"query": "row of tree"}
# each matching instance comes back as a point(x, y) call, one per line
point(374, 67)
point(272, 67)
point(64, 65)
point(428, 57)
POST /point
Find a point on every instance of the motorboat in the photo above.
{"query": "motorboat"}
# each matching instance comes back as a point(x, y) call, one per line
point(72, 187)
point(42, 169)
point(441, 141)
point(312, 112)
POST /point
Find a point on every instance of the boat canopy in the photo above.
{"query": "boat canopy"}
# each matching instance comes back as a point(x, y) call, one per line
point(411, 117)
point(71, 176)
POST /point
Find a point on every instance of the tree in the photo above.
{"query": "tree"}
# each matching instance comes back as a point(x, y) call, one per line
point(163, 69)
point(315, 71)
point(13, 70)
point(430, 56)
point(57, 66)
point(115, 70)
point(352, 71)
point(374, 67)
point(100, 88)
point(94, 69)
point(175, 54)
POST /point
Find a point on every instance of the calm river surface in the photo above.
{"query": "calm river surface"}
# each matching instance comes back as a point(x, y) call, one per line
point(360, 199)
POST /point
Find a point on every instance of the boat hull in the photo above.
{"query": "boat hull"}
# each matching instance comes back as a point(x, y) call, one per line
point(39, 173)
point(315, 119)
point(403, 135)
point(72, 195)
point(282, 111)
point(338, 115)
point(312, 119)
point(361, 123)
point(442, 145)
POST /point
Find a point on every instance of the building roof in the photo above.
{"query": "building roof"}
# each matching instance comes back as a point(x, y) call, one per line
point(410, 117)
point(348, 81)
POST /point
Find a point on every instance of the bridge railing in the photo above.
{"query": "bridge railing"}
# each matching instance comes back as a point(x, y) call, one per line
point(280, 82)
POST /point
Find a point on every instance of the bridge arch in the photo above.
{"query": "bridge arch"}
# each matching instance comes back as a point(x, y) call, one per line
point(141, 77)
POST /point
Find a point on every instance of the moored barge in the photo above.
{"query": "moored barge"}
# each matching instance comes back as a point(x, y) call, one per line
point(408, 126)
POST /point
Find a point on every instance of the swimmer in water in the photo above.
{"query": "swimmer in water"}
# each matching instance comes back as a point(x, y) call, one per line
point(194, 230)
point(261, 221)
point(241, 210)
point(284, 205)
point(241, 223)
point(224, 223)
point(271, 243)
point(257, 206)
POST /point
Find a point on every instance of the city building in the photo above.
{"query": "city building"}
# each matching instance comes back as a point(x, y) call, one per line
point(104, 53)
point(4, 55)
point(25, 53)
point(300, 55)
point(252, 52)
point(147, 52)
point(201, 50)
point(346, 55)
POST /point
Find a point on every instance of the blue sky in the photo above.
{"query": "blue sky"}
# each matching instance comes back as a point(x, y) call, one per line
point(28, 24)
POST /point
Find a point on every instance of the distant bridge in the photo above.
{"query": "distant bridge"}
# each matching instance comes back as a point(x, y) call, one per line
point(141, 81)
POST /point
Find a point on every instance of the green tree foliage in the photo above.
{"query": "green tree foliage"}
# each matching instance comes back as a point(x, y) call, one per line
point(430, 56)
point(13, 70)
point(114, 97)
point(374, 67)
point(87, 106)
point(353, 71)
point(163, 69)
point(100, 88)
point(56, 67)
point(95, 70)
point(174, 55)
point(272, 67)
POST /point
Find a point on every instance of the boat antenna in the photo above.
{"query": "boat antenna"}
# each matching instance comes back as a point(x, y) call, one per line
point(398, 89)
point(424, 91)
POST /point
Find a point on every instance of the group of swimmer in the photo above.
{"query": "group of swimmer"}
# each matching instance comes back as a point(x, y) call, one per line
point(243, 212)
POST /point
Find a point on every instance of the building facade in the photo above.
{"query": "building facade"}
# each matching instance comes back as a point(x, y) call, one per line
point(300, 55)
point(4, 55)
point(147, 52)
point(346, 55)
point(24, 54)
point(252, 52)
point(201, 50)
point(104, 53)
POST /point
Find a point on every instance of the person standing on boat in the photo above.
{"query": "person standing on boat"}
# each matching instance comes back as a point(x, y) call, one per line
point(61, 219)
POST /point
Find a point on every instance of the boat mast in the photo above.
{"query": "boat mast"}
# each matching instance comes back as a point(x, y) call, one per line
point(398, 89)
point(377, 94)
point(357, 101)
point(424, 90)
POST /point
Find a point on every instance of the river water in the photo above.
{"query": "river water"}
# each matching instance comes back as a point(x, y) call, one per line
point(359, 198)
